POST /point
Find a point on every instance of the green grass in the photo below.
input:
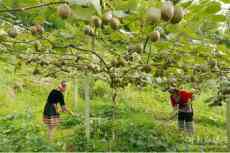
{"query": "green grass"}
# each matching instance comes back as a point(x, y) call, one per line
point(140, 123)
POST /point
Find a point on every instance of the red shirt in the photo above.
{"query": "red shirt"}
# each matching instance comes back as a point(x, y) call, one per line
point(184, 97)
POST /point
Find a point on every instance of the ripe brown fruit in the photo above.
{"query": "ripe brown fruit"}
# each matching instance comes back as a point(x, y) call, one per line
point(154, 36)
point(211, 63)
point(13, 33)
point(147, 68)
point(167, 11)
point(120, 62)
point(178, 15)
point(96, 21)
point(153, 15)
point(107, 17)
point(37, 29)
point(64, 11)
point(138, 48)
point(115, 23)
point(114, 63)
point(88, 30)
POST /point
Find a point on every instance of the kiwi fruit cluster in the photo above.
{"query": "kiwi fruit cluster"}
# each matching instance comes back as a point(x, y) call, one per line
point(137, 48)
point(98, 22)
point(119, 62)
point(168, 12)
point(37, 29)
point(64, 11)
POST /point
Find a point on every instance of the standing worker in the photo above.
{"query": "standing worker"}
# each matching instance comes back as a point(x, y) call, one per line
point(50, 114)
point(181, 101)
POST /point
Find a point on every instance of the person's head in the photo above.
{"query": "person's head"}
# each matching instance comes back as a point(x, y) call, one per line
point(62, 86)
point(173, 91)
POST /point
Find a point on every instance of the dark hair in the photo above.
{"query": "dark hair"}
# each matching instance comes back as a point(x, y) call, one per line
point(173, 90)
point(64, 82)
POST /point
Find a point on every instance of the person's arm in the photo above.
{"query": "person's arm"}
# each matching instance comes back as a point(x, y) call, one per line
point(174, 112)
point(63, 106)
point(62, 103)
point(175, 108)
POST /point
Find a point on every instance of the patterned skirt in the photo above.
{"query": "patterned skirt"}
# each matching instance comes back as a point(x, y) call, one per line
point(50, 115)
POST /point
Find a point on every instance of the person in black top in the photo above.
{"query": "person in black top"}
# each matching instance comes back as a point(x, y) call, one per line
point(50, 114)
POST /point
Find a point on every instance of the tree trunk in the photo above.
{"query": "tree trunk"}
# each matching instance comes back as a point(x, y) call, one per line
point(75, 94)
point(114, 113)
point(87, 109)
point(228, 120)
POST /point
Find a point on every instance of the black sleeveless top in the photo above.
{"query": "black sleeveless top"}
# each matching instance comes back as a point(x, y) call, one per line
point(54, 97)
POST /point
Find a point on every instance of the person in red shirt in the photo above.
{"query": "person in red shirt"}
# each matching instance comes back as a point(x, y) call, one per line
point(181, 102)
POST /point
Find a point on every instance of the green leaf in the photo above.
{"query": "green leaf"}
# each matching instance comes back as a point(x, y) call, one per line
point(212, 8)
point(218, 18)
point(89, 3)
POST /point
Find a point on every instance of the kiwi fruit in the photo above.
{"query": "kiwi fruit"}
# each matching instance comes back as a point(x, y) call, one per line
point(37, 45)
point(167, 11)
point(211, 63)
point(147, 68)
point(138, 48)
point(120, 62)
point(115, 23)
point(64, 11)
point(178, 15)
point(36, 71)
point(154, 36)
point(96, 21)
point(153, 15)
point(88, 30)
point(107, 17)
point(37, 29)
point(13, 33)
point(114, 63)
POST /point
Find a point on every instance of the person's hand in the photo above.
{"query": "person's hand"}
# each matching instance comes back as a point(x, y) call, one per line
point(63, 108)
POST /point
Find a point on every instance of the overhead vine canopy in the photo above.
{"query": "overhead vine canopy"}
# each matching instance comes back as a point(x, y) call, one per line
point(123, 41)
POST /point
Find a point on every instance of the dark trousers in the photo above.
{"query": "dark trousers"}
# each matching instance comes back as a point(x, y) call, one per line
point(185, 121)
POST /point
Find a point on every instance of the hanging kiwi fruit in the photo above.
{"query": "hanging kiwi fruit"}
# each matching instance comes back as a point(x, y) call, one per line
point(138, 48)
point(153, 15)
point(12, 33)
point(167, 11)
point(154, 36)
point(120, 62)
point(107, 17)
point(147, 68)
point(178, 15)
point(64, 11)
point(115, 23)
point(88, 30)
point(37, 29)
point(114, 63)
point(36, 71)
point(96, 21)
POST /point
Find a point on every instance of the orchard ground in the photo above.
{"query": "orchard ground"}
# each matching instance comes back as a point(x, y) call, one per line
point(141, 118)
